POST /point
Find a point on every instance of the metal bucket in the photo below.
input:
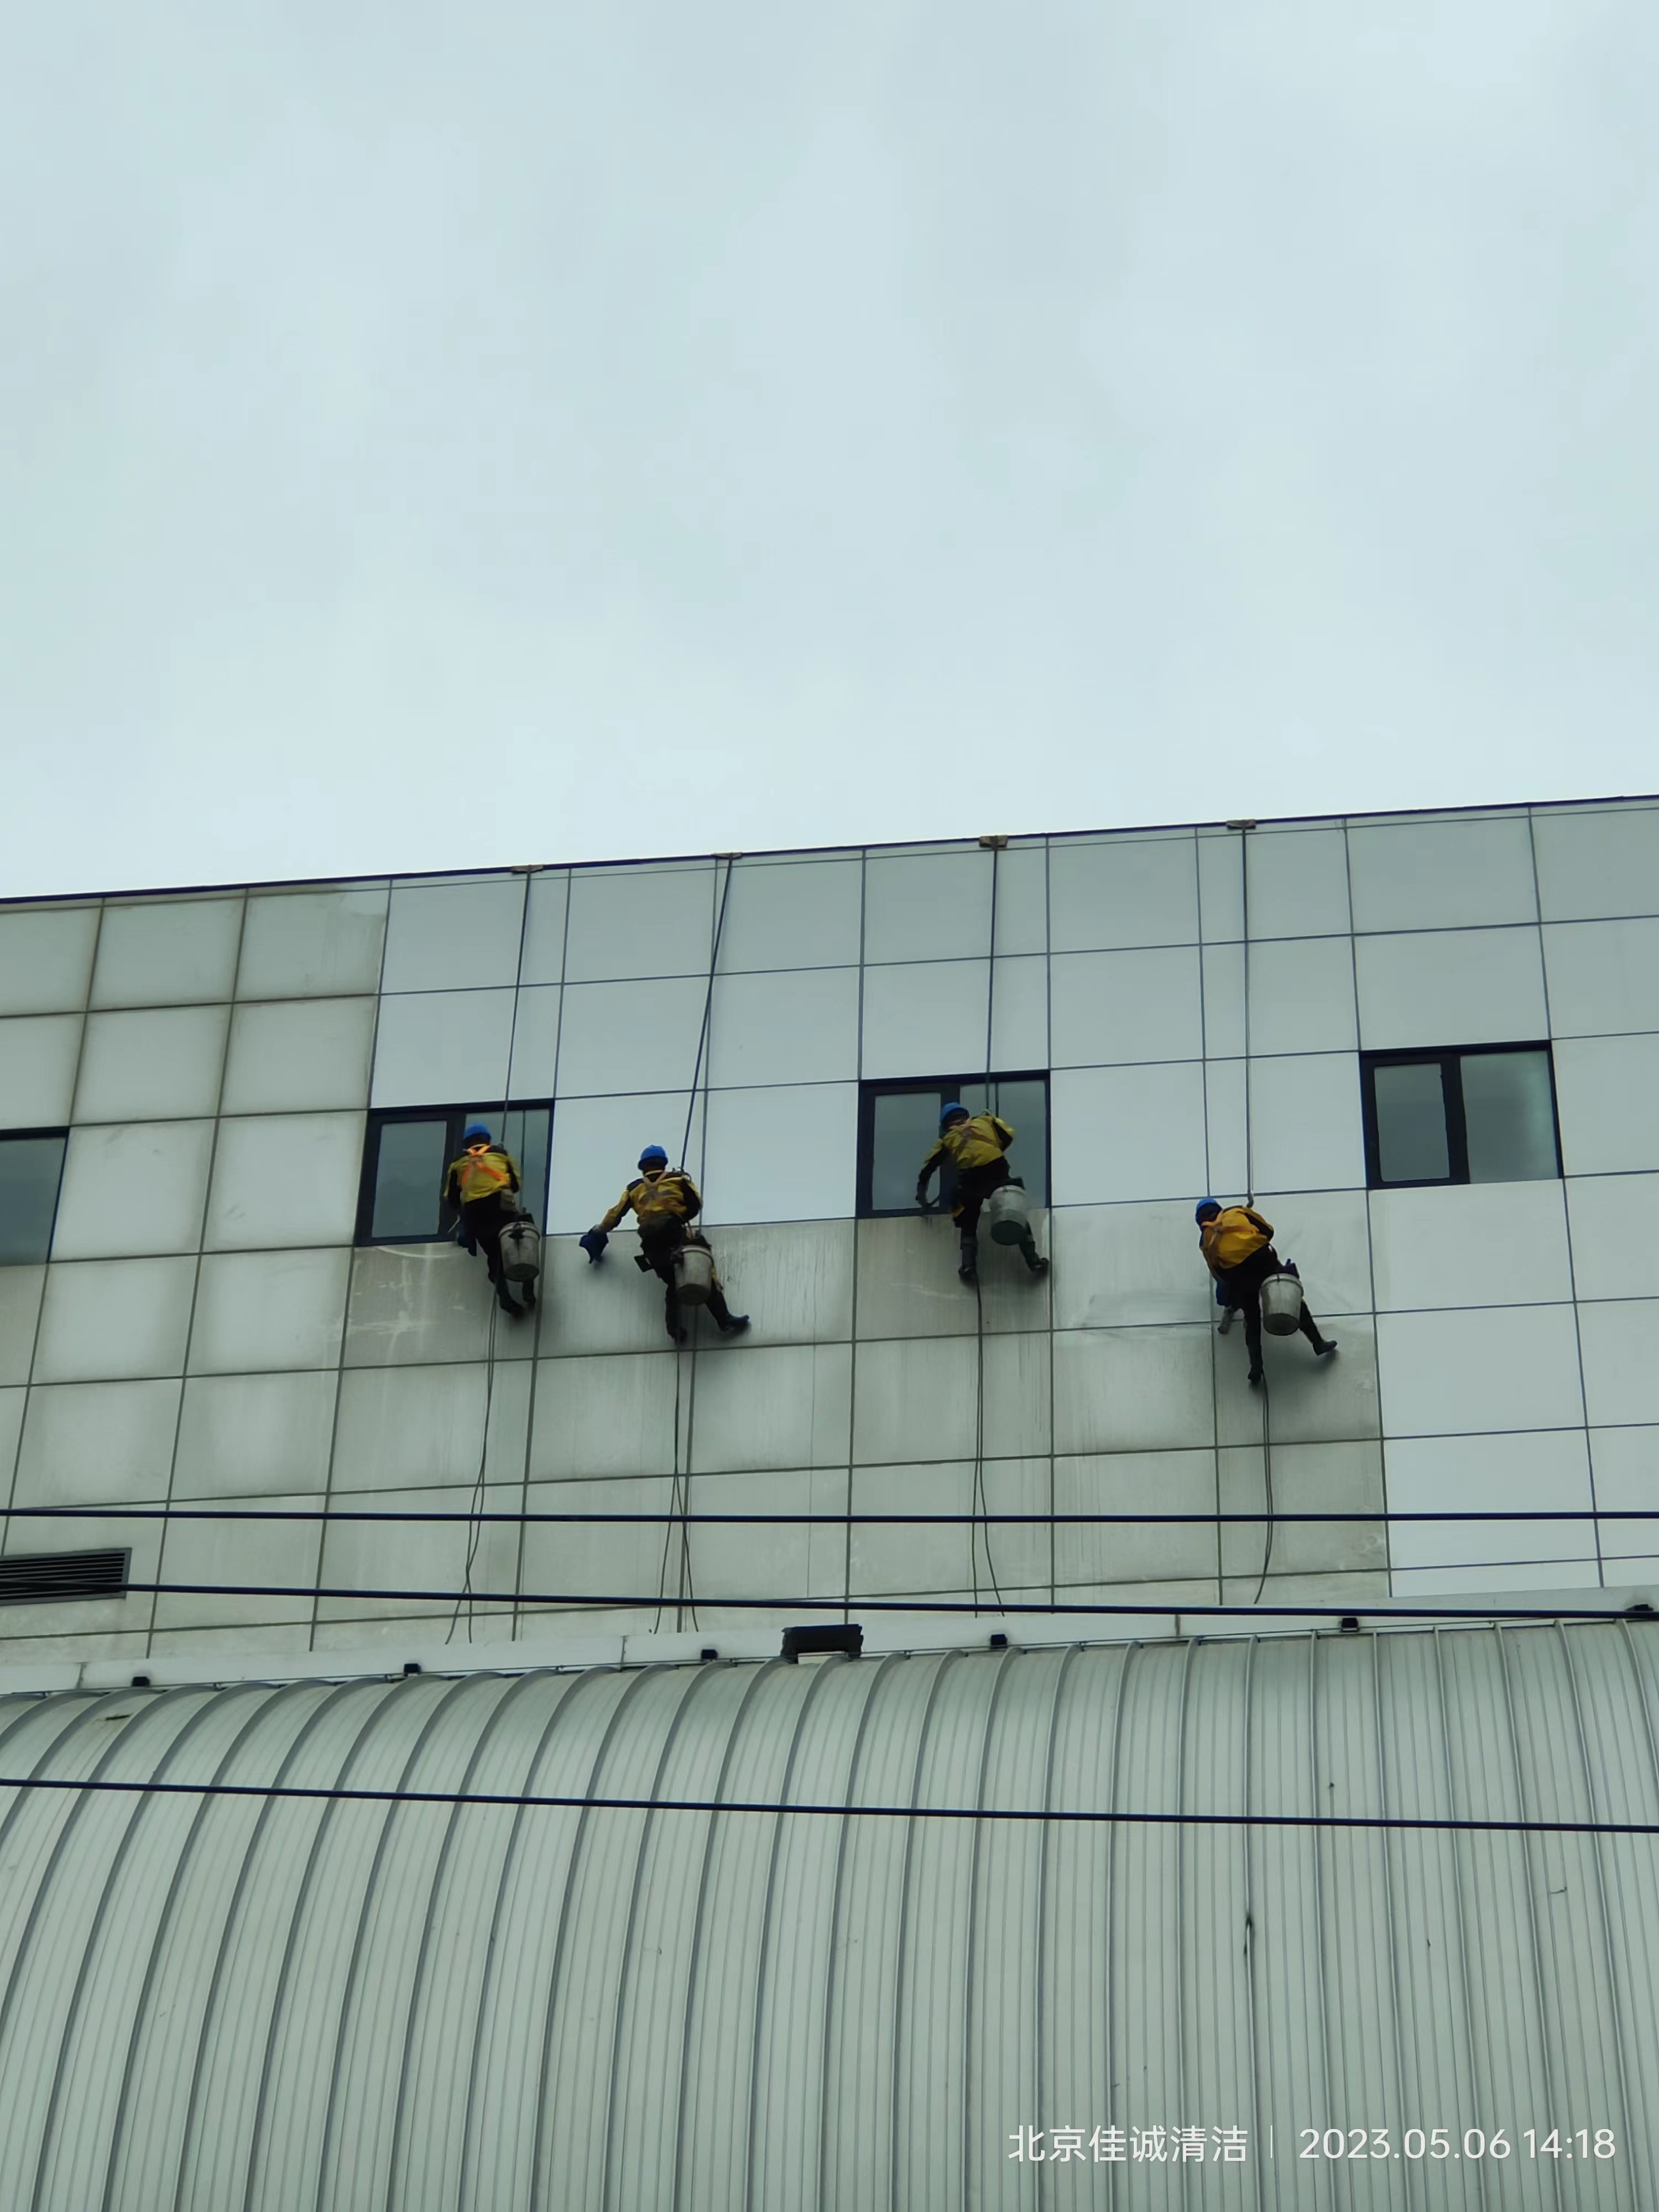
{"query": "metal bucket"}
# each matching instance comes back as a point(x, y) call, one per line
point(521, 1250)
point(694, 1274)
point(1009, 1214)
point(1281, 1305)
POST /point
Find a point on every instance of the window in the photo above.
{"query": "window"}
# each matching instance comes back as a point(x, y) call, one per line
point(1483, 1113)
point(898, 1127)
point(30, 1169)
point(408, 1155)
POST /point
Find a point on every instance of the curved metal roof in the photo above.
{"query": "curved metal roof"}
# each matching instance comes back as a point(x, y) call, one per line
point(272, 2003)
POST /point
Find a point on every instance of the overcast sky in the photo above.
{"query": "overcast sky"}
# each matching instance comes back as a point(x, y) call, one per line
point(433, 436)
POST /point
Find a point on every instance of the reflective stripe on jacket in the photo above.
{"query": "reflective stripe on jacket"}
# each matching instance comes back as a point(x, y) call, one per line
point(480, 1175)
point(972, 1144)
point(1236, 1233)
point(670, 1196)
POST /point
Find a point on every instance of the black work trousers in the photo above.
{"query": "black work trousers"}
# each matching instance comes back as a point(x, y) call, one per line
point(1243, 1288)
point(658, 1245)
point(974, 1187)
point(485, 1219)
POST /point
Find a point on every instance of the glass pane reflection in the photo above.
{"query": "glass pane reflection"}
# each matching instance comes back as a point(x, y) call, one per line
point(1510, 1116)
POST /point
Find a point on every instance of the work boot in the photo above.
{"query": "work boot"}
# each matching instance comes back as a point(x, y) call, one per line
point(529, 1296)
point(1324, 1346)
point(1034, 1259)
point(734, 1324)
point(506, 1301)
point(967, 1265)
point(1255, 1375)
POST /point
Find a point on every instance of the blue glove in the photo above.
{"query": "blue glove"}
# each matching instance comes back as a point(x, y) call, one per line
point(593, 1244)
point(1220, 1294)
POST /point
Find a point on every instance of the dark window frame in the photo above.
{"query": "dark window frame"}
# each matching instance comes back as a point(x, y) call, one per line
point(457, 1118)
point(1447, 1058)
point(20, 1136)
point(947, 1086)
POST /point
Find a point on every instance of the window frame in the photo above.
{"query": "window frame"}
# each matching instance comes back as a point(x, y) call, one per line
point(947, 1086)
point(20, 1136)
point(1447, 1058)
point(456, 1117)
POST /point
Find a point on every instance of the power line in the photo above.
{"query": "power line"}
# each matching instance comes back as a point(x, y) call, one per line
point(637, 1601)
point(1062, 1816)
point(259, 1513)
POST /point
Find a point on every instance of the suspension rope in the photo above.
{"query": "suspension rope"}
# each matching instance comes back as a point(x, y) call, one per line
point(394, 1516)
point(981, 1500)
point(465, 1595)
point(1244, 830)
point(679, 1494)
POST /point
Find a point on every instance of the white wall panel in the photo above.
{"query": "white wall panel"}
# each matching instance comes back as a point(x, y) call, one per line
point(1544, 1581)
point(780, 1155)
point(1306, 1132)
point(1307, 1401)
point(908, 1284)
point(1135, 1482)
point(411, 1303)
point(273, 1553)
point(37, 1069)
point(1318, 1478)
point(131, 1189)
point(45, 958)
point(12, 1403)
point(604, 1417)
point(1022, 880)
point(1441, 875)
point(254, 1436)
point(1615, 1235)
point(1126, 1133)
point(163, 1065)
point(1450, 987)
point(629, 1036)
point(414, 1555)
point(1299, 882)
point(170, 954)
point(794, 1280)
point(1114, 1007)
point(285, 1179)
point(20, 1309)
point(544, 930)
point(1511, 1367)
point(787, 1027)
point(730, 1561)
point(925, 1019)
point(927, 906)
point(915, 1400)
point(605, 1559)
point(754, 1408)
point(1121, 893)
point(535, 1044)
point(1534, 1473)
point(1472, 1245)
point(1626, 1463)
point(1019, 1017)
point(894, 1560)
point(1220, 887)
point(1603, 976)
point(597, 1141)
point(1227, 1156)
point(407, 1428)
point(1132, 1389)
point(1120, 1266)
point(113, 1319)
point(1604, 1090)
point(1224, 1000)
point(453, 937)
point(1595, 864)
point(1326, 1234)
point(287, 1056)
point(798, 915)
point(313, 944)
point(442, 1047)
point(265, 1311)
point(627, 922)
point(97, 1444)
point(1619, 1340)
point(1301, 995)
point(611, 1307)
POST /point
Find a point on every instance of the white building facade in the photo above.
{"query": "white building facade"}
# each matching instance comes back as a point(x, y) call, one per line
point(795, 1935)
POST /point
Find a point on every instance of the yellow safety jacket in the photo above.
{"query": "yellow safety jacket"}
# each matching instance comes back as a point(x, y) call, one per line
point(670, 1196)
point(1237, 1233)
point(972, 1144)
point(480, 1175)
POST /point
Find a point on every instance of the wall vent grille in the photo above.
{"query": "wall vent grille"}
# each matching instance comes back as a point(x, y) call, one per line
point(41, 1578)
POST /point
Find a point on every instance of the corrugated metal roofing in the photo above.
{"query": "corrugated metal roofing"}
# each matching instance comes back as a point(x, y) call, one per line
point(274, 2003)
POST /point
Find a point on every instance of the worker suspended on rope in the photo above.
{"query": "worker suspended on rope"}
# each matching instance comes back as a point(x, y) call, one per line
point(665, 1203)
point(482, 1187)
point(976, 1146)
point(1237, 1245)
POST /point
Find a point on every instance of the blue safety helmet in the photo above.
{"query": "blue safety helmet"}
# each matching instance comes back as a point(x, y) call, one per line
point(956, 1106)
point(653, 1156)
point(1204, 1206)
point(473, 1131)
